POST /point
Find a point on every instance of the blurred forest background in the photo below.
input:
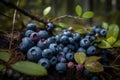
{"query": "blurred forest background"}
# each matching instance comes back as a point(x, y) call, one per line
point(104, 10)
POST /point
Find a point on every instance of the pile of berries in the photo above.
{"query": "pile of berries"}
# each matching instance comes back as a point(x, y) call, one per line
point(58, 50)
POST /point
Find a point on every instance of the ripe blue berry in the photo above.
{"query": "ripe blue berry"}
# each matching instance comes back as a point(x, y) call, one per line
point(35, 37)
point(61, 67)
point(28, 33)
point(47, 53)
point(31, 26)
point(44, 62)
point(76, 37)
point(69, 56)
point(43, 34)
point(64, 40)
point(67, 33)
point(84, 42)
point(81, 50)
point(97, 30)
point(26, 44)
point(34, 53)
point(50, 26)
point(54, 47)
point(42, 44)
point(53, 60)
point(103, 32)
point(91, 50)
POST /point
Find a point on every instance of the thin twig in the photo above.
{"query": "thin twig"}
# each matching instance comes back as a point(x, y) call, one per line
point(64, 16)
point(116, 59)
point(13, 26)
point(23, 11)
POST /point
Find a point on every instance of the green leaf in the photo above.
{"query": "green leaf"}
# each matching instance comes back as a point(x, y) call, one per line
point(104, 44)
point(1, 67)
point(88, 14)
point(111, 40)
point(105, 25)
point(117, 44)
point(78, 10)
point(63, 25)
point(80, 57)
point(5, 56)
point(57, 30)
point(113, 31)
point(46, 11)
point(81, 31)
point(94, 67)
point(29, 68)
point(92, 58)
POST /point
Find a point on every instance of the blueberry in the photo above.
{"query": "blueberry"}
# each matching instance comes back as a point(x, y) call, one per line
point(54, 47)
point(62, 60)
point(61, 67)
point(44, 62)
point(103, 32)
point(64, 40)
point(26, 44)
point(50, 26)
point(42, 44)
point(91, 33)
point(94, 27)
point(97, 30)
point(67, 33)
point(47, 53)
point(94, 78)
point(81, 50)
point(51, 40)
point(79, 67)
point(66, 50)
point(71, 40)
point(28, 33)
point(84, 42)
point(76, 37)
point(57, 38)
point(53, 60)
point(60, 55)
point(34, 53)
point(35, 37)
point(31, 26)
point(69, 56)
point(91, 50)
point(43, 34)
point(71, 47)
point(60, 47)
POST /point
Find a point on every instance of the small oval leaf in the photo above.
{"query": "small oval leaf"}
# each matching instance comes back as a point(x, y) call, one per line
point(81, 31)
point(94, 67)
point(29, 68)
point(117, 44)
point(5, 56)
point(63, 25)
point(46, 11)
point(111, 40)
point(80, 57)
point(113, 31)
point(78, 10)
point(104, 44)
point(88, 14)
point(105, 25)
point(92, 58)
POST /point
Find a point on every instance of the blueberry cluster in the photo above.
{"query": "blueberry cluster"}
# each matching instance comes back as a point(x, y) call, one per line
point(58, 50)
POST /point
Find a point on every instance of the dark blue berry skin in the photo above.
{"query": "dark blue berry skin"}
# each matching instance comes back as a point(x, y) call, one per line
point(87, 73)
point(57, 38)
point(85, 43)
point(61, 67)
point(94, 78)
point(62, 60)
point(81, 50)
point(60, 47)
point(53, 60)
point(43, 34)
point(71, 47)
point(64, 40)
point(31, 26)
point(77, 37)
point(54, 47)
point(47, 53)
point(71, 40)
point(26, 44)
point(51, 40)
point(93, 28)
point(66, 50)
point(44, 62)
point(103, 32)
point(69, 56)
point(42, 44)
point(91, 33)
point(35, 37)
point(67, 33)
point(28, 33)
point(61, 55)
point(50, 26)
point(97, 30)
point(34, 53)
point(91, 50)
